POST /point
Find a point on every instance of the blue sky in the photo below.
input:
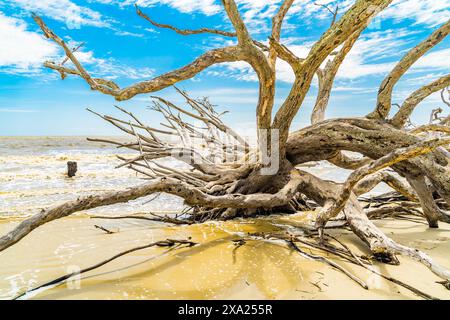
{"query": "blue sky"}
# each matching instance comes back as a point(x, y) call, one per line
point(124, 47)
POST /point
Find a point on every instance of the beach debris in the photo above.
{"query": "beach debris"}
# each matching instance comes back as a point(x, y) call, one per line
point(104, 229)
point(228, 177)
point(71, 168)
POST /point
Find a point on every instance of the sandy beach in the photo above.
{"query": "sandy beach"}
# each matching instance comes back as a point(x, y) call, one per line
point(214, 269)
point(32, 177)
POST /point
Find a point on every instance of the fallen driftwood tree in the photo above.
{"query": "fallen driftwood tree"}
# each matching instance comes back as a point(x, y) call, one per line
point(229, 178)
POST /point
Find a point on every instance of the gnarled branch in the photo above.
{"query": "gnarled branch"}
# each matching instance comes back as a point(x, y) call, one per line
point(376, 165)
point(215, 56)
point(407, 108)
point(187, 32)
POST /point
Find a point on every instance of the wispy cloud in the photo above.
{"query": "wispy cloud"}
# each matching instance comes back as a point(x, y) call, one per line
point(18, 110)
point(66, 11)
point(110, 68)
point(22, 51)
point(207, 7)
point(127, 33)
point(425, 12)
point(423, 79)
point(434, 60)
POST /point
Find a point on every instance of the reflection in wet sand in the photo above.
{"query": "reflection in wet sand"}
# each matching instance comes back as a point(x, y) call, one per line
point(214, 269)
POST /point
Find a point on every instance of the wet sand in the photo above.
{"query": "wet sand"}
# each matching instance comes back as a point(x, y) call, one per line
point(214, 269)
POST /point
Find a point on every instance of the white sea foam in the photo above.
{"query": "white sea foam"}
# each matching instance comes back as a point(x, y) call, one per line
point(33, 175)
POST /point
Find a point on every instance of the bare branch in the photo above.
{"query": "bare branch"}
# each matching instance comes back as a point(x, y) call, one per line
point(384, 99)
point(215, 56)
point(347, 162)
point(329, 262)
point(285, 54)
point(381, 246)
point(431, 127)
point(195, 31)
point(260, 64)
point(402, 115)
point(277, 22)
point(183, 31)
point(326, 78)
point(333, 12)
point(171, 243)
point(81, 71)
point(443, 96)
point(371, 181)
point(238, 24)
point(384, 247)
point(429, 207)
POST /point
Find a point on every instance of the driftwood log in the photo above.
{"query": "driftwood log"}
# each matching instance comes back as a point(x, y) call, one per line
point(230, 178)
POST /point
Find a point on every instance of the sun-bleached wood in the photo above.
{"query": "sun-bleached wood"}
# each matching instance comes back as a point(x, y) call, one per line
point(225, 184)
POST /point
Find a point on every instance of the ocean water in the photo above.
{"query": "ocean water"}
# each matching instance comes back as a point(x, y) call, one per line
point(33, 175)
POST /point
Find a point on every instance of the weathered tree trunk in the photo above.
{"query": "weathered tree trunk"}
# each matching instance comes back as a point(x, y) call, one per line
point(233, 179)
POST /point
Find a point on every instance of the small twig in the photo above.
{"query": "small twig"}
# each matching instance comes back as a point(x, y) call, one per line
point(334, 13)
point(157, 219)
point(329, 262)
point(104, 229)
point(316, 285)
point(347, 254)
point(400, 283)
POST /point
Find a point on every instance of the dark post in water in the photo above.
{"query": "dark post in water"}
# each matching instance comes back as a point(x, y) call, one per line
point(71, 168)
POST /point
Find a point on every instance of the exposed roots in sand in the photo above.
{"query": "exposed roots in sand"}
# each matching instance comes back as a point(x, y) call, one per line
point(224, 176)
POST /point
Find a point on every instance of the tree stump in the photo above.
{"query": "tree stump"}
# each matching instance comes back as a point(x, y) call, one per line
point(71, 168)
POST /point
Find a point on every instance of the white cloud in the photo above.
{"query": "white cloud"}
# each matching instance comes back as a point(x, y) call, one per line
point(127, 33)
point(360, 62)
point(354, 67)
point(309, 8)
point(353, 89)
point(387, 46)
point(17, 110)
point(425, 12)
point(362, 59)
point(22, 51)
point(423, 79)
point(207, 7)
point(66, 11)
point(439, 59)
point(257, 13)
point(110, 68)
